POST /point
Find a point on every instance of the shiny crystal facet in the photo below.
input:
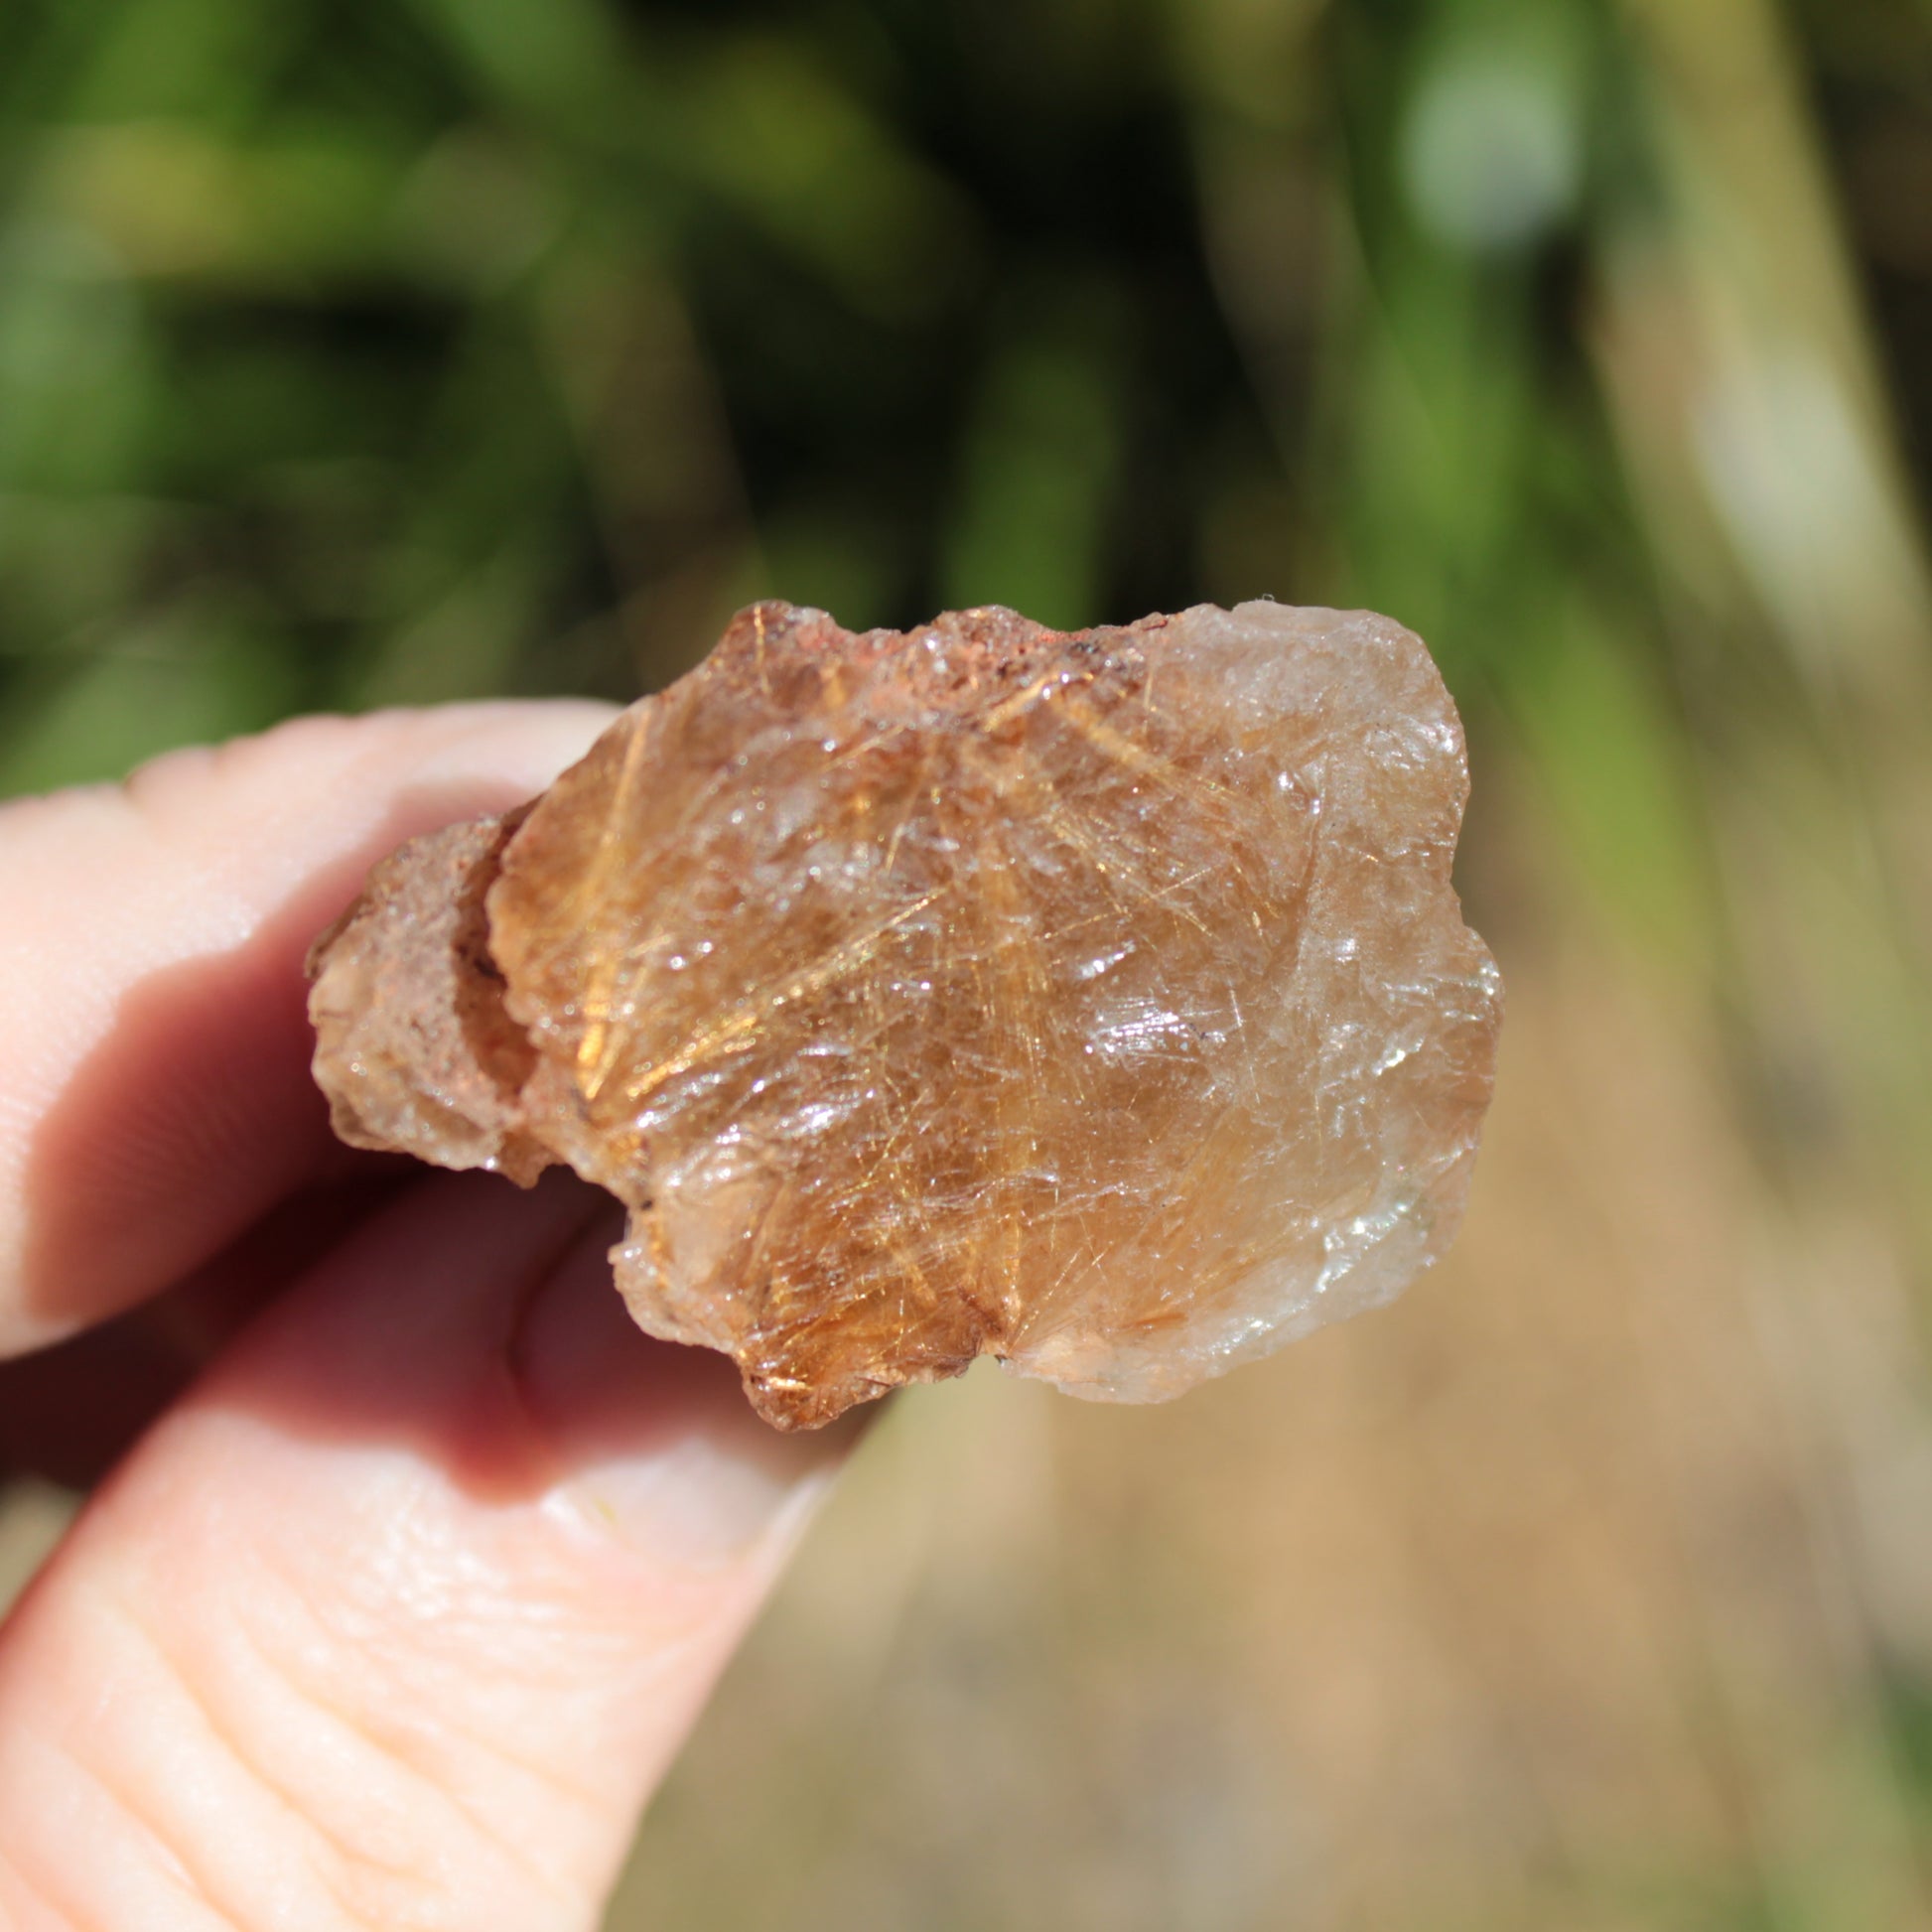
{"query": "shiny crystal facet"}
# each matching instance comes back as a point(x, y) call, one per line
point(1096, 1001)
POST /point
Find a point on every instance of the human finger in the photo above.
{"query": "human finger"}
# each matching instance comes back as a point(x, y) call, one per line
point(399, 1615)
point(154, 1091)
point(71, 1412)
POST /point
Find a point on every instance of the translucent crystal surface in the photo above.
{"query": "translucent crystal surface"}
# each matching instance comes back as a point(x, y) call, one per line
point(1096, 1001)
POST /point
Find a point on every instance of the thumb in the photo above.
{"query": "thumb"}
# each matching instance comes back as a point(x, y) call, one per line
point(400, 1614)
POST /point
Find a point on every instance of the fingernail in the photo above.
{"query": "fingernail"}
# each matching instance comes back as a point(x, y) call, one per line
point(656, 1443)
point(695, 1505)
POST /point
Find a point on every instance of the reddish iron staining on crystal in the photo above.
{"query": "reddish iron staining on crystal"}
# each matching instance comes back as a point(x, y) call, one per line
point(1099, 1002)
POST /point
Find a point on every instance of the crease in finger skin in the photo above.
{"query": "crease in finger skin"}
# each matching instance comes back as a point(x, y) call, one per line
point(401, 1613)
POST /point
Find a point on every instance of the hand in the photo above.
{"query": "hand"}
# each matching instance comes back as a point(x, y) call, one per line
point(404, 1600)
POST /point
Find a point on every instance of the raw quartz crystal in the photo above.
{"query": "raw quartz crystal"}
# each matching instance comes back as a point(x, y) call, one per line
point(1096, 1001)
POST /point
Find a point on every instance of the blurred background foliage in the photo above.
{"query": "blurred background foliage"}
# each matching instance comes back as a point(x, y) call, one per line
point(401, 350)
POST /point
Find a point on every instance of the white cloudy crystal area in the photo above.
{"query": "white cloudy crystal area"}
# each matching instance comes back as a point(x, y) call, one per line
point(1329, 1152)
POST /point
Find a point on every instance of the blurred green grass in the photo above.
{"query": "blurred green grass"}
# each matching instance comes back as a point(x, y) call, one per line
point(364, 354)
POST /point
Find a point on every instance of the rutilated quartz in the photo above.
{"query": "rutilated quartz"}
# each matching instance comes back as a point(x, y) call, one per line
point(1096, 1001)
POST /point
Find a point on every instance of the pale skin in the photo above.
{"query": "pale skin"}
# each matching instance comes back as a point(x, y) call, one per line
point(413, 1561)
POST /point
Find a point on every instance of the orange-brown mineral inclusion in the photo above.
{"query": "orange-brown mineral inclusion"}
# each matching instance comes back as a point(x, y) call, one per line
point(1095, 1001)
